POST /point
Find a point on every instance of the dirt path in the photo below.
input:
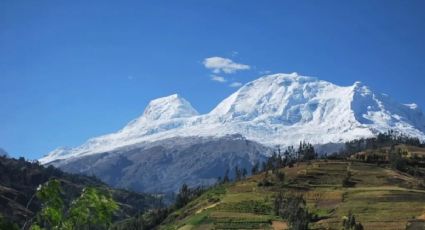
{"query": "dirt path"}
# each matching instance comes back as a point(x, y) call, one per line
point(385, 188)
point(208, 207)
point(279, 225)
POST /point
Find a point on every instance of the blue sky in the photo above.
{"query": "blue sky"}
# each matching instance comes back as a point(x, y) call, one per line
point(71, 70)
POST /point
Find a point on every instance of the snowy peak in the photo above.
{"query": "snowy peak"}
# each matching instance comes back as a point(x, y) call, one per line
point(285, 98)
point(170, 107)
point(278, 109)
point(380, 112)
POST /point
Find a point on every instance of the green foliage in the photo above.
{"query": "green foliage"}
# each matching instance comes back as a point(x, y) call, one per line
point(51, 213)
point(92, 210)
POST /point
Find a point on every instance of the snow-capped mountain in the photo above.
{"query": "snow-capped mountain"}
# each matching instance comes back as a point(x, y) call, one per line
point(278, 109)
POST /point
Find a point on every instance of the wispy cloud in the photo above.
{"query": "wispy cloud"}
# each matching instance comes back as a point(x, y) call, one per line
point(235, 84)
point(218, 78)
point(223, 65)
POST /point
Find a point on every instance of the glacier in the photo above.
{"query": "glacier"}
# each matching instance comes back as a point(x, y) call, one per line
point(274, 110)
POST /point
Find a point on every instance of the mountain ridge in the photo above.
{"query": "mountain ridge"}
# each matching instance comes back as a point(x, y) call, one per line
point(277, 109)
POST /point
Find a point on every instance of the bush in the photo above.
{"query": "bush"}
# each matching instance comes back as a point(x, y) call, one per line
point(265, 182)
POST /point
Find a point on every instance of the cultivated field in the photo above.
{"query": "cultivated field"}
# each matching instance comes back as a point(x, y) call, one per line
point(380, 198)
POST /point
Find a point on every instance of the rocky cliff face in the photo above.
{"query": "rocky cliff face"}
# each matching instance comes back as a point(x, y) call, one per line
point(163, 166)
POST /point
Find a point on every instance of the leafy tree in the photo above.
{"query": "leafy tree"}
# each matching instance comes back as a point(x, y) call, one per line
point(92, 210)
point(51, 214)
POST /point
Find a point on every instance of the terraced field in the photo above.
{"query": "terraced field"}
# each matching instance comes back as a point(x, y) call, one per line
point(380, 198)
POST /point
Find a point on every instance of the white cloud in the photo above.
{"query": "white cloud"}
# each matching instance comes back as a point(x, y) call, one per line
point(225, 65)
point(235, 84)
point(218, 78)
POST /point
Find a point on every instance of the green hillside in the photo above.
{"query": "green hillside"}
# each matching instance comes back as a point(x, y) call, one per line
point(19, 180)
point(379, 197)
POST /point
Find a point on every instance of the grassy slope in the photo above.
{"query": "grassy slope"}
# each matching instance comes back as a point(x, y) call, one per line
point(381, 199)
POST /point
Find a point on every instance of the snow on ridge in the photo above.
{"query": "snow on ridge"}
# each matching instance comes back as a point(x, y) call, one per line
point(274, 109)
point(169, 107)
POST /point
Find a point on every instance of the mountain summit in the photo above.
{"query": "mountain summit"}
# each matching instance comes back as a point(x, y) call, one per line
point(278, 109)
point(169, 107)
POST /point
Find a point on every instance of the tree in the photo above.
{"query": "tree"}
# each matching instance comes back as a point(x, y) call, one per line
point(51, 214)
point(255, 168)
point(265, 182)
point(293, 209)
point(264, 167)
point(183, 196)
point(349, 223)
point(92, 210)
point(186, 194)
point(280, 176)
point(238, 173)
point(346, 182)
point(244, 173)
point(226, 176)
point(306, 151)
point(396, 159)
